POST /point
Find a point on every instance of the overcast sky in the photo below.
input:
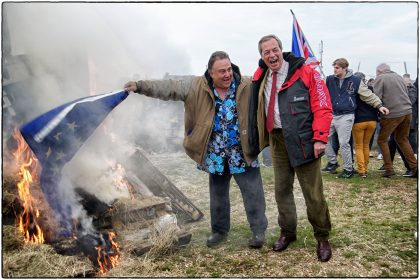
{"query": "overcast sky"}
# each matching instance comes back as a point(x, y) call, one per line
point(146, 40)
point(365, 33)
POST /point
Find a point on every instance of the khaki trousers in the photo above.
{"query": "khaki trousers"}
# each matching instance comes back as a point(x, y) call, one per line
point(309, 176)
point(401, 128)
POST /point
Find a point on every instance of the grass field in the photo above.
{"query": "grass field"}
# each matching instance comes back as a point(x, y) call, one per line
point(374, 232)
point(375, 223)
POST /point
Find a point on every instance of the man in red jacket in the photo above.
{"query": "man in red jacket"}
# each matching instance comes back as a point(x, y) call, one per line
point(291, 107)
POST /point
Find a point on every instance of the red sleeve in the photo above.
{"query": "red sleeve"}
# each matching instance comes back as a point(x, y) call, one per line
point(257, 74)
point(320, 103)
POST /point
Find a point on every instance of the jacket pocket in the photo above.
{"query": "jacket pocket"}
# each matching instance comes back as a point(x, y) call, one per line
point(299, 104)
point(306, 144)
point(195, 140)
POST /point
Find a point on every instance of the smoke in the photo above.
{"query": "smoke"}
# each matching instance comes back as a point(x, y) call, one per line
point(72, 50)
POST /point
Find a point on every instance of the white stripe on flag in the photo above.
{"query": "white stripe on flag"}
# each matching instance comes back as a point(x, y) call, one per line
point(40, 136)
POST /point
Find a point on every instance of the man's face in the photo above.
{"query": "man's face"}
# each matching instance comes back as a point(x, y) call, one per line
point(221, 73)
point(340, 71)
point(407, 81)
point(271, 54)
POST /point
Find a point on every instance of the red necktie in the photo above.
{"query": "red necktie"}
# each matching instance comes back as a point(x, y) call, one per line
point(270, 113)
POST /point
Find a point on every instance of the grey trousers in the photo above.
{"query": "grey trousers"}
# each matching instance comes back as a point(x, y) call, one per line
point(310, 180)
point(250, 185)
point(343, 125)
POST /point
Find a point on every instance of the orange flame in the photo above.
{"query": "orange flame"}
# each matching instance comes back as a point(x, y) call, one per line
point(107, 261)
point(27, 170)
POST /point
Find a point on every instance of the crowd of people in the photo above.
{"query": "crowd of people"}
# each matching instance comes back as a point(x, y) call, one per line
point(392, 110)
point(230, 119)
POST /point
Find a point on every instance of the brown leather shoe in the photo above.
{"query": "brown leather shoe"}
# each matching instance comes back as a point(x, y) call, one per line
point(388, 173)
point(324, 251)
point(282, 243)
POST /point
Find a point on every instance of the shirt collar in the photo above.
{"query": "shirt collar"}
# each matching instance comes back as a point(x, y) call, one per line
point(230, 90)
point(283, 68)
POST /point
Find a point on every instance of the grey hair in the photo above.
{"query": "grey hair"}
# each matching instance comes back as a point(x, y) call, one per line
point(216, 56)
point(360, 75)
point(266, 38)
point(383, 67)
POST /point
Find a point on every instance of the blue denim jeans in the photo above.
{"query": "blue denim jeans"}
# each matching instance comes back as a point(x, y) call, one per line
point(250, 185)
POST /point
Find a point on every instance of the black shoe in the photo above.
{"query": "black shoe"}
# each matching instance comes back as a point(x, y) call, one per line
point(362, 175)
point(345, 174)
point(407, 173)
point(411, 174)
point(324, 251)
point(256, 240)
point(331, 167)
point(215, 239)
point(382, 168)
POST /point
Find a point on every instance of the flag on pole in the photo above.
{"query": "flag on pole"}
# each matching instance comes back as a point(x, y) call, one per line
point(57, 135)
point(300, 45)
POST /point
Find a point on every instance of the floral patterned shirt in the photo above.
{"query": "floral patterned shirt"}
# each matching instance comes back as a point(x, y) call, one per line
point(225, 142)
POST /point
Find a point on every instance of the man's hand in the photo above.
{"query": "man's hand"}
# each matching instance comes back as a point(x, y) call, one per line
point(130, 86)
point(319, 148)
point(384, 110)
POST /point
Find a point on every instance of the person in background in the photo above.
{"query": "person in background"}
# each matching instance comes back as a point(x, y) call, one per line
point(292, 109)
point(365, 120)
point(391, 89)
point(344, 88)
point(413, 95)
point(378, 126)
point(216, 138)
point(412, 136)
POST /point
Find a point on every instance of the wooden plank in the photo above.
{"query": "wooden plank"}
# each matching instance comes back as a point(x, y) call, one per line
point(156, 182)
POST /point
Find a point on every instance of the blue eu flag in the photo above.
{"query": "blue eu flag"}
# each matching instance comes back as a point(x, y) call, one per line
point(57, 135)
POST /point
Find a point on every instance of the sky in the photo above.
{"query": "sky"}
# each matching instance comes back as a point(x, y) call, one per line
point(147, 40)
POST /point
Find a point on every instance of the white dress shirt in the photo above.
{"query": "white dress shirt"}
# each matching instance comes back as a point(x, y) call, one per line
point(281, 77)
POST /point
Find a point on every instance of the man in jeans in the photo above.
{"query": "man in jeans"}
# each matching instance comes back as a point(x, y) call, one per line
point(391, 89)
point(344, 87)
point(216, 138)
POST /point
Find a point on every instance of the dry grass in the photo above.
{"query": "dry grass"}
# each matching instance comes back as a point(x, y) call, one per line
point(374, 225)
point(42, 261)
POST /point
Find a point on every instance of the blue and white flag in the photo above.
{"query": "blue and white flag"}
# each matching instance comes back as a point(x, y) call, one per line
point(57, 135)
point(300, 45)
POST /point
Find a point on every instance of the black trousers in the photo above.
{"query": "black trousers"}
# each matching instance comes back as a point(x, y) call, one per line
point(250, 185)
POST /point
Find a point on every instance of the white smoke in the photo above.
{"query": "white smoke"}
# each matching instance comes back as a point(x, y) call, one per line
point(80, 49)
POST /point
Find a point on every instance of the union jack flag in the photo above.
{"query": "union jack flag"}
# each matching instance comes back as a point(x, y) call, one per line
point(300, 45)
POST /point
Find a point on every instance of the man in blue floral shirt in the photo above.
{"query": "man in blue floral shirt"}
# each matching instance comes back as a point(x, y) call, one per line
point(216, 138)
point(225, 141)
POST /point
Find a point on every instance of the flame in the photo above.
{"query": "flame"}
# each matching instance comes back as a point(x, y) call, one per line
point(27, 170)
point(108, 260)
point(120, 181)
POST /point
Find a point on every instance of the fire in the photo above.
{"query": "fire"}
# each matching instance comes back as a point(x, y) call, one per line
point(108, 259)
point(120, 182)
point(27, 169)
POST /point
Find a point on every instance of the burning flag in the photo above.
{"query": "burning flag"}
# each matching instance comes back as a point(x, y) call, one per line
point(300, 45)
point(57, 135)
